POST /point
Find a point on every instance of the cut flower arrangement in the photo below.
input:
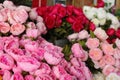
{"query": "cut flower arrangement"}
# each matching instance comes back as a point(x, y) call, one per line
point(88, 39)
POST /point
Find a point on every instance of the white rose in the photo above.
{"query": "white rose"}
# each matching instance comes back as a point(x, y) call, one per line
point(96, 21)
point(102, 21)
point(100, 33)
point(101, 13)
point(73, 37)
point(86, 9)
point(99, 76)
point(110, 3)
point(83, 34)
point(113, 76)
point(117, 42)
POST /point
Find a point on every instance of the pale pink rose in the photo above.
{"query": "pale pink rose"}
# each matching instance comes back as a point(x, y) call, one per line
point(107, 48)
point(28, 63)
point(77, 50)
point(83, 35)
point(73, 37)
point(100, 33)
point(116, 53)
point(24, 7)
point(17, 16)
point(17, 29)
point(108, 69)
point(39, 19)
point(95, 54)
point(109, 59)
point(52, 59)
point(16, 53)
point(66, 77)
point(6, 62)
point(58, 71)
point(17, 76)
point(7, 3)
point(44, 77)
point(3, 14)
point(4, 27)
point(92, 43)
point(32, 33)
point(102, 62)
point(117, 63)
point(7, 75)
point(29, 77)
point(33, 14)
point(1, 6)
point(31, 46)
point(43, 69)
point(31, 25)
point(41, 27)
point(117, 42)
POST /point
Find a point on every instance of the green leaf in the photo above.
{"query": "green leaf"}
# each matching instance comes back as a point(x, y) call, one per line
point(92, 34)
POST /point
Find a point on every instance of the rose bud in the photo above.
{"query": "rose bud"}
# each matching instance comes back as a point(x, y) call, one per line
point(117, 33)
point(110, 32)
point(92, 26)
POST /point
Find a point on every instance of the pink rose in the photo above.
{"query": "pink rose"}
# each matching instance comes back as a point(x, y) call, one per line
point(16, 69)
point(8, 4)
point(17, 29)
point(73, 37)
point(92, 43)
point(17, 76)
point(3, 14)
point(108, 69)
point(43, 69)
point(26, 8)
point(6, 61)
point(116, 53)
point(2, 43)
point(32, 33)
point(107, 48)
point(17, 16)
point(59, 71)
point(102, 62)
point(4, 27)
point(100, 33)
point(31, 25)
point(66, 77)
point(83, 35)
point(95, 54)
point(44, 77)
point(110, 60)
point(7, 75)
point(29, 77)
point(28, 63)
point(41, 27)
point(77, 50)
point(39, 19)
point(16, 53)
point(31, 46)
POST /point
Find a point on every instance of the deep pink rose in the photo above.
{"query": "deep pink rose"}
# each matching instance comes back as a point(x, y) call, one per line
point(62, 11)
point(29, 77)
point(66, 77)
point(71, 19)
point(17, 29)
point(50, 21)
point(28, 63)
point(44, 77)
point(17, 76)
point(43, 69)
point(100, 3)
point(69, 10)
point(6, 61)
point(117, 33)
point(4, 27)
point(77, 26)
point(110, 32)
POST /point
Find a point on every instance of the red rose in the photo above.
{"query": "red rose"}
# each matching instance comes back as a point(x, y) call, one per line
point(111, 41)
point(69, 10)
point(58, 21)
point(110, 32)
point(117, 33)
point(41, 11)
point(77, 26)
point(50, 21)
point(100, 3)
point(70, 19)
point(62, 11)
point(92, 26)
point(78, 11)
